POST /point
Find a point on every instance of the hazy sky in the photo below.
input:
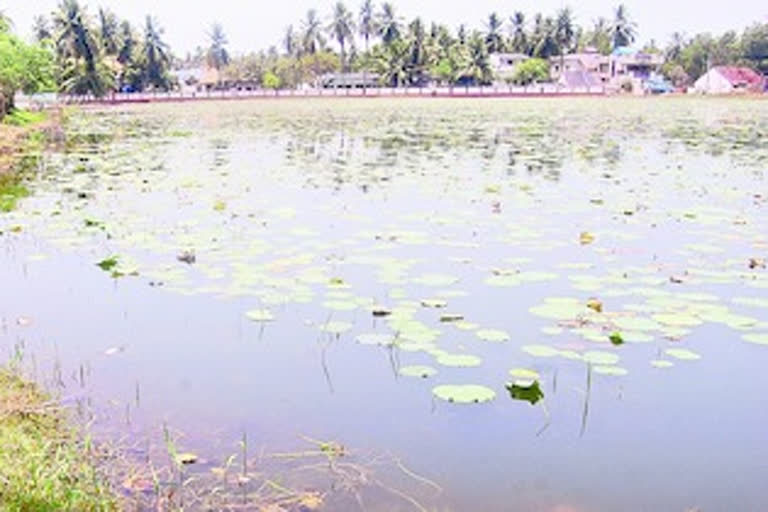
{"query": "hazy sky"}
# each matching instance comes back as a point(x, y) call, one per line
point(256, 24)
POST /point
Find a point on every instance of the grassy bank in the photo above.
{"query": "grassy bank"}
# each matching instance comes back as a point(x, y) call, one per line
point(22, 137)
point(44, 466)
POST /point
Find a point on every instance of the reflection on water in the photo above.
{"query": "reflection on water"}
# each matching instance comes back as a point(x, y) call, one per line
point(580, 267)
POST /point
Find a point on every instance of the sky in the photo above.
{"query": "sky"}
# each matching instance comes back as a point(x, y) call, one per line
point(256, 24)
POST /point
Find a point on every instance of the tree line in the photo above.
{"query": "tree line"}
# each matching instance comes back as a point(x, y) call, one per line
point(78, 52)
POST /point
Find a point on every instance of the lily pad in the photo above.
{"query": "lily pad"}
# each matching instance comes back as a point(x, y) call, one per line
point(419, 371)
point(757, 338)
point(682, 354)
point(336, 327)
point(661, 363)
point(259, 315)
point(540, 350)
point(615, 371)
point(464, 394)
point(458, 360)
point(524, 373)
point(383, 340)
point(601, 358)
point(493, 335)
point(433, 303)
point(677, 320)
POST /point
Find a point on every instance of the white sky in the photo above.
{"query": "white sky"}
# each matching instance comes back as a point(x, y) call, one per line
point(256, 24)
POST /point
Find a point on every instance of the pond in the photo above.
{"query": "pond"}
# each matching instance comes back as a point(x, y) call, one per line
point(588, 275)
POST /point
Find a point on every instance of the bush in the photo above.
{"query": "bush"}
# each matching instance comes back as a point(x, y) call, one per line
point(530, 71)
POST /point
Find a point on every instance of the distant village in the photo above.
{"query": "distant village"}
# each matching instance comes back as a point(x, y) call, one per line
point(624, 70)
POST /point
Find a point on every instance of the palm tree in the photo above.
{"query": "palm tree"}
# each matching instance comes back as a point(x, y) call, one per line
point(157, 58)
point(128, 43)
point(289, 42)
point(342, 28)
point(218, 56)
point(676, 45)
point(545, 38)
point(389, 24)
point(599, 36)
point(391, 62)
point(519, 37)
point(78, 52)
point(41, 29)
point(623, 30)
point(108, 31)
point(367, 25)
point(312, 37)
point(564, 33)
point(417, 50)
point(478, 66)
point(494, 42)
point(461, 34)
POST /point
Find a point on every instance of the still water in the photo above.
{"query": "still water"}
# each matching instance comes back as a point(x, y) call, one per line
point(613, 249)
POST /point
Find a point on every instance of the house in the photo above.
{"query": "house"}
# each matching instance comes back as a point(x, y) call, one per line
point(590, 61)
point(624, 67)
point(580, 80)
point(349, 80)
point(503, 65)
point(728, 80)
point(188, 78)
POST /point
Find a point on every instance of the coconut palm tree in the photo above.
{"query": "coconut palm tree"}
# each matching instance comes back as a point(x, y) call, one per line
point(367, 23)
point(564, 33)
point(218, 56)
point(78, 52)
point(478, 66)
point(108, 26)
point(676, 46)
point(494, 41)
point(41, 29)
point(391, 62)
point(519, 36)
point(290, 42)
point(390, 25)
point(156, 55)
point(5, 22)
point(312, 37)
point(623, 30)
point(342, 28)
point(417, 58)
point(544, 42)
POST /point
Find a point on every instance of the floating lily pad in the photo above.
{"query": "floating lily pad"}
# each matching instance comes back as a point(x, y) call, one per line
point(635, 324)
point(525, 390)
point(384, 340)
point(660, 363)
point(259, 315)
point(336, 327)
point(615, 371)
point(433, 303)
point(493, 335)
point(186, 458)
point(677, 320)
point(682, 354)
point(417, 371)
point(465, 326)
point(451, 317)
point(464, 394)
point(458, 360)
point(600, 358)
point(540, 350)
point(524, 373)
point(340, 305)
point(757, 338)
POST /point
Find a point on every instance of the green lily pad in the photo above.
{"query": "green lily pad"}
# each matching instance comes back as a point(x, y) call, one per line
point(540, 350)
point(615, 371)
point(682, 354)
point(384, 340)
point(525, 390)
point(419, 371)
point(340, 305)
point(464, 394)
point(465, 326)
point(524, 373)
point(458, 360)
point(336, 327)
point(757, 338)
point(186, 458)
point(433, 303)
point(616, 338)
point(661, 363)
point(677, 320)
point(451, 317)
point(259, 315)
point(601, 358)
point(493, 335)
point(108, 264)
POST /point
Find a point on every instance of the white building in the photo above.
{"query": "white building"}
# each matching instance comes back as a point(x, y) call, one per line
point(503, 65)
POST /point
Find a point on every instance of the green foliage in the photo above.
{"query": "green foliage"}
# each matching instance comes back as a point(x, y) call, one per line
point(23, 67)
point(43, 466)
point(530, 71)
point(270, 80)
point(755, 46)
